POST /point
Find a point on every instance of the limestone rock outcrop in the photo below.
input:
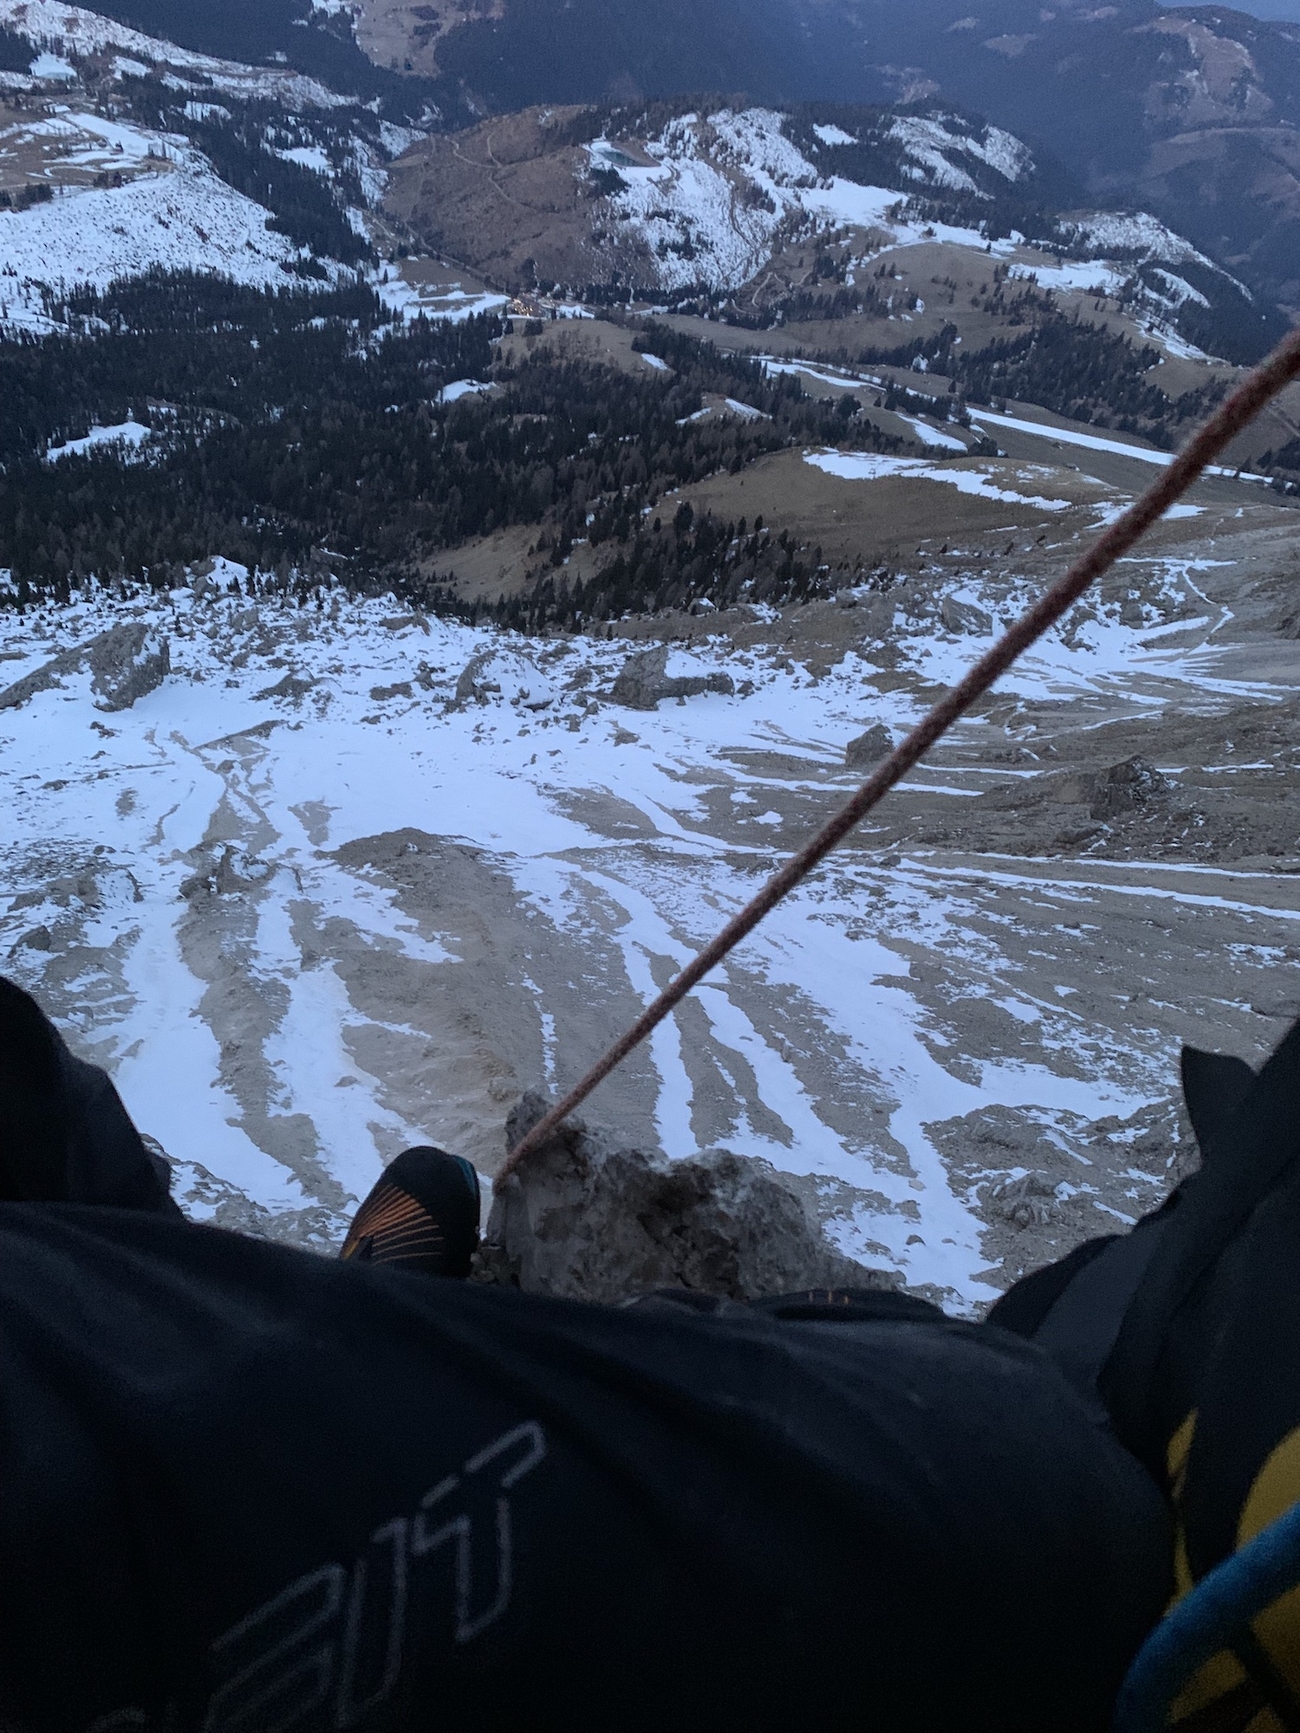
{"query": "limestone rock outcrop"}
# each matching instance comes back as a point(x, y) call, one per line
point(643, 681)
point(867, 749)
point(125, 663)
point(583, 1219)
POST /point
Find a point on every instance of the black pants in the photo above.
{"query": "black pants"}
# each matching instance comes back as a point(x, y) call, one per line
point(245, 1489)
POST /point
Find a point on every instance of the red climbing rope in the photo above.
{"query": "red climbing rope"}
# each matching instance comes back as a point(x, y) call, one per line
point(1268, 379)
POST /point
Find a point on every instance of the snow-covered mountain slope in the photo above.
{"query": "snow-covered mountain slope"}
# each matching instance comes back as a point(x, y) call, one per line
point(726, 207)
point(71, 33)
point(1190, 112)
point(177, 215)
point(351, 878)
point(121, 154)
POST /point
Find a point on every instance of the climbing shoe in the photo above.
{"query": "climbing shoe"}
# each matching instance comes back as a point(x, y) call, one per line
point(422, 1216)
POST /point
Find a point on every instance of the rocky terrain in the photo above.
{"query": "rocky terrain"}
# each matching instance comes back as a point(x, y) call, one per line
point(344, 877)
point(559, 629)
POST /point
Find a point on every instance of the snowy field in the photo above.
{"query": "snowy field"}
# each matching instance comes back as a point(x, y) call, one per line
point(311, 906)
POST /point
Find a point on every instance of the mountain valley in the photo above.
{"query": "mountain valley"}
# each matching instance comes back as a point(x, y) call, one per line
point(529, 492)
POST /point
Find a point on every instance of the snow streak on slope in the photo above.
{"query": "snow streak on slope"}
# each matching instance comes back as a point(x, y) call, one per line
point(932, 145)
point(872, 466)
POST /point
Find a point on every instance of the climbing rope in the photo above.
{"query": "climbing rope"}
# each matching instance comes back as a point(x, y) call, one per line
point(1236, 413)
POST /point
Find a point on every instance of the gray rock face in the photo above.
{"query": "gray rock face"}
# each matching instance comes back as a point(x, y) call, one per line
point(643, 681)
point(878, 615)
point(472, 687)
point(290, 686)
point(1126, 787)
point(586, 1220)
point(125, 663)
point(869, 748)
point(964, 617)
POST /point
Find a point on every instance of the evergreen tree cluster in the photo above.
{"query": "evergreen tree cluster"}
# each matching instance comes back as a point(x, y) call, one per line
point(1286, 459)
point(237, 138)
point(1077, 369)
point(1084, 372)
point(684, 562)
point(309, 430)
point(16, 52)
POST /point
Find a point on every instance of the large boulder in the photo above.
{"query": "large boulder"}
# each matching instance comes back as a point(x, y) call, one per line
point(473, 686)
point(965, 617)
point(124, 663)
point(877, 615)
point(127, 663)
point(584, 1219)
point(643, 681)
point(867, 749)
point(1127, 787)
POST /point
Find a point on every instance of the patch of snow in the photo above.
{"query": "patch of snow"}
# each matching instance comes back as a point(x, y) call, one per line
point(397, 139)
point(933, 141)
point(108, 143)
point(126, 436)
point(462, 388)
point(1096, 442)
point(872, 466)
point(932, 435)
point(52, 69)
point(1181, 292)
point(834, 135)
point(925, 141)
point(308, 156)
point(1080, 276)
point(823, 375)
point(1002, 151)
point(655, 361)
point(1130, 232)
point(1173, 343)
point(411, 301)
point(201, 111)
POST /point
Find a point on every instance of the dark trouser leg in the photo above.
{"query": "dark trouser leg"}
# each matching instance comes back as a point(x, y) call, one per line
point(64, 1135)
point(248, 1489)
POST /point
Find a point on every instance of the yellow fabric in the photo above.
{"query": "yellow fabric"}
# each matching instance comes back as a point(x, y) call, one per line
point(1274, 1490)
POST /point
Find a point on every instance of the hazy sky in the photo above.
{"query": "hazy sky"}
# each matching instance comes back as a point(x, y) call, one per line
point(1288, 9)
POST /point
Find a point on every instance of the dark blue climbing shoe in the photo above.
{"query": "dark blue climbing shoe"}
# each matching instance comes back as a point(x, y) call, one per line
point(422, 1216)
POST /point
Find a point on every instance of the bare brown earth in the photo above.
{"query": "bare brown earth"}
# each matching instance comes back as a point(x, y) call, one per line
point(500, 194)
point(403, 35)
point(853, 524)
